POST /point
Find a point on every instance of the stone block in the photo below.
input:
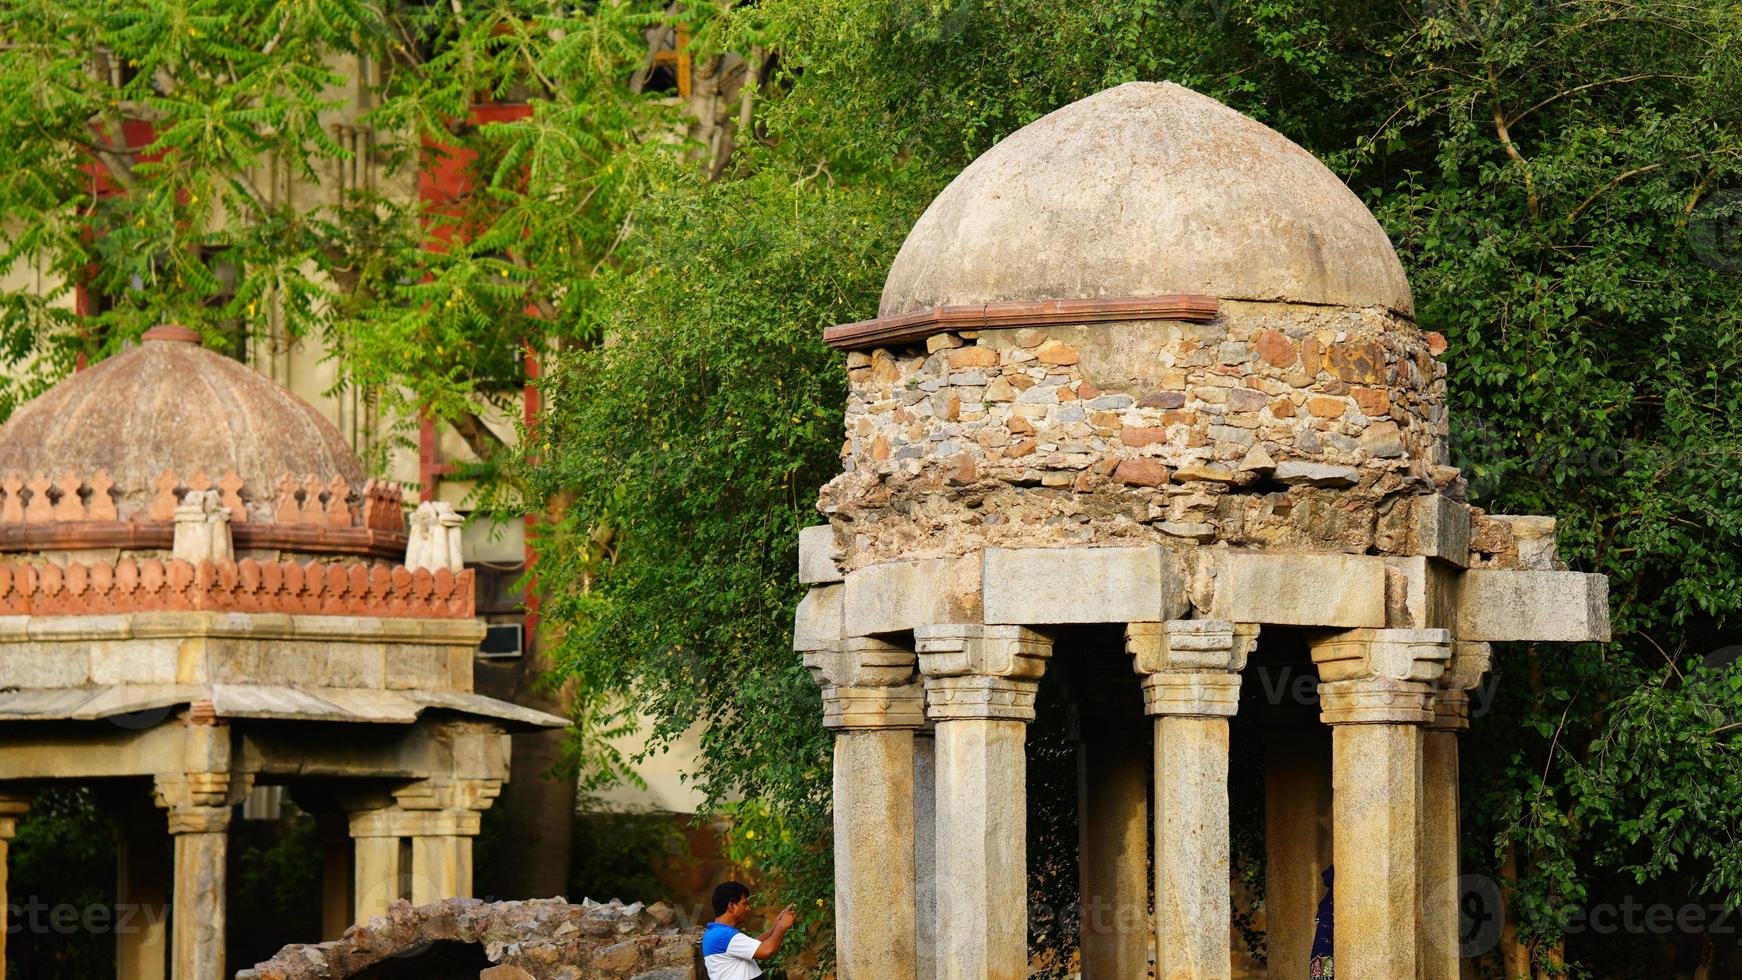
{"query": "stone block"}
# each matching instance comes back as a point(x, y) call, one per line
point(819, 624)
point(38, 665)
point(1439, 527)
point(816, 556)
point(1293, 471)
point(1551, 607)
point(895, 597)
point(1046, 586)
point(1300, 589)
point(1420, 594)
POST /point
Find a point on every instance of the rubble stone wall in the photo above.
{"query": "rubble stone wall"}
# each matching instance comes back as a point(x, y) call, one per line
point(542, 939)
point(1230, 431)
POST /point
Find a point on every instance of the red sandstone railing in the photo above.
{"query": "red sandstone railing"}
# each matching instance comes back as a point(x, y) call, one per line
point(303, 514)
point(246, 586)
point(305, 500)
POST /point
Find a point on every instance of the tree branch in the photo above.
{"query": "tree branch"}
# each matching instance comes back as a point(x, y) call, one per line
point(1505, 136)
point(479, 438)
point(1573, 215)
point(1624, 79)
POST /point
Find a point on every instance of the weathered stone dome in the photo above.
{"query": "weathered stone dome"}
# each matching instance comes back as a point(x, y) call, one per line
point(171, 405)
point(1146, 189)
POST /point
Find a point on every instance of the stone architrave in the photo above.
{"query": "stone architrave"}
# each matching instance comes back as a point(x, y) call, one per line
point(1440, 943)
point(980, 689)
point(873, 704)
point(1191, 685)
point(1376, 689)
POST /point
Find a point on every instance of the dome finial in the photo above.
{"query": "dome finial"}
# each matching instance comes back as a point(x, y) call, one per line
point(173, 333)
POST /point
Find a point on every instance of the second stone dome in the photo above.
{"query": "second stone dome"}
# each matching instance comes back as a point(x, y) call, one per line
point(1144, 190)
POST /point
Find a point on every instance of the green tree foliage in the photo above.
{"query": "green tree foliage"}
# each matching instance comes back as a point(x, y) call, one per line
point(1557, 178)
point(153, 148)
point(1561, 180)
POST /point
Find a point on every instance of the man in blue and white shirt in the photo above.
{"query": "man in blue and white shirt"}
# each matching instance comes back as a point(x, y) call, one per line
point(728, 953)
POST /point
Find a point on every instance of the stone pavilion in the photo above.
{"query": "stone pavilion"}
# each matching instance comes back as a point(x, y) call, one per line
point(1146, 409)
point(202, 596)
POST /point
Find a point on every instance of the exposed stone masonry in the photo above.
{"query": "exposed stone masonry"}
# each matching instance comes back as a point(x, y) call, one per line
point(1223, 431)
point(542, 939)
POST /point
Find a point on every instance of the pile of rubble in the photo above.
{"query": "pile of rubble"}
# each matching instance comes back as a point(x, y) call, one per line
point(542, 939)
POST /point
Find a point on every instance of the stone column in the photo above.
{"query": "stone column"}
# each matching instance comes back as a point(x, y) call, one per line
point(1375, 691)
point(980, 689)
point(12, 807)
point(873, 704)
point(142, 900)
point(199, 805)
point(1113, 776)
point(925, 865)
point(1439, 924)
point(1297, 838)
point(1191, 685)
point(419, 845)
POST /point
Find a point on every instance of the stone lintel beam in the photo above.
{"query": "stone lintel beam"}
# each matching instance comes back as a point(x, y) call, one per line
point(898, 597)
point(1549, 607)
point(1048, 586)
point(1334, 590)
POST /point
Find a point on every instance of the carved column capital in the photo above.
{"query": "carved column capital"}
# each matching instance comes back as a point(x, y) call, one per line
point(12, 807)
point(1375, 701)
point(868, 684)
point(1189, 645)
point(981, 672)
point(1192, 695)
point(200, 802)
point(1469, 663)
point(1417, 656)
point(959, 650)
point(979, 697)
point(1451, 711)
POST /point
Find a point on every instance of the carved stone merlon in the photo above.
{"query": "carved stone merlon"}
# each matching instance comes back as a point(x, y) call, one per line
point(434, 542)
point(981, 672)
point(202, 528)
point(1380, 676)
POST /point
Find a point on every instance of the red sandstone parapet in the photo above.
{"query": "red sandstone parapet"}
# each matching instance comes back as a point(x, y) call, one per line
point(247, 586)
point(296, 500)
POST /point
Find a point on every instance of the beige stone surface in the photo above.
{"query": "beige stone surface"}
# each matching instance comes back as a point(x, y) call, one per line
point(1300, 589)
point(1113, 853)
point(1438, 867)
point(816, 556)
point(1142, 190)
point(982, 850)
point(1297, 839)
point(1376, 806)
point(1546, 606)
point(1042, 586)
point(198, 917)
point(895, 597)
point(1192, 898)
point(875, 879)
point(820, 623)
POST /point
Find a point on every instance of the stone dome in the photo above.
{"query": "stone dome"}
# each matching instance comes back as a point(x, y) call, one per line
point(170, 404)
point(1144, 190)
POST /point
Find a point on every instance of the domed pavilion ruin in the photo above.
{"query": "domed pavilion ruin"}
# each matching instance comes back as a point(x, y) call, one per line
point(201, 595)
point(1146, 409)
